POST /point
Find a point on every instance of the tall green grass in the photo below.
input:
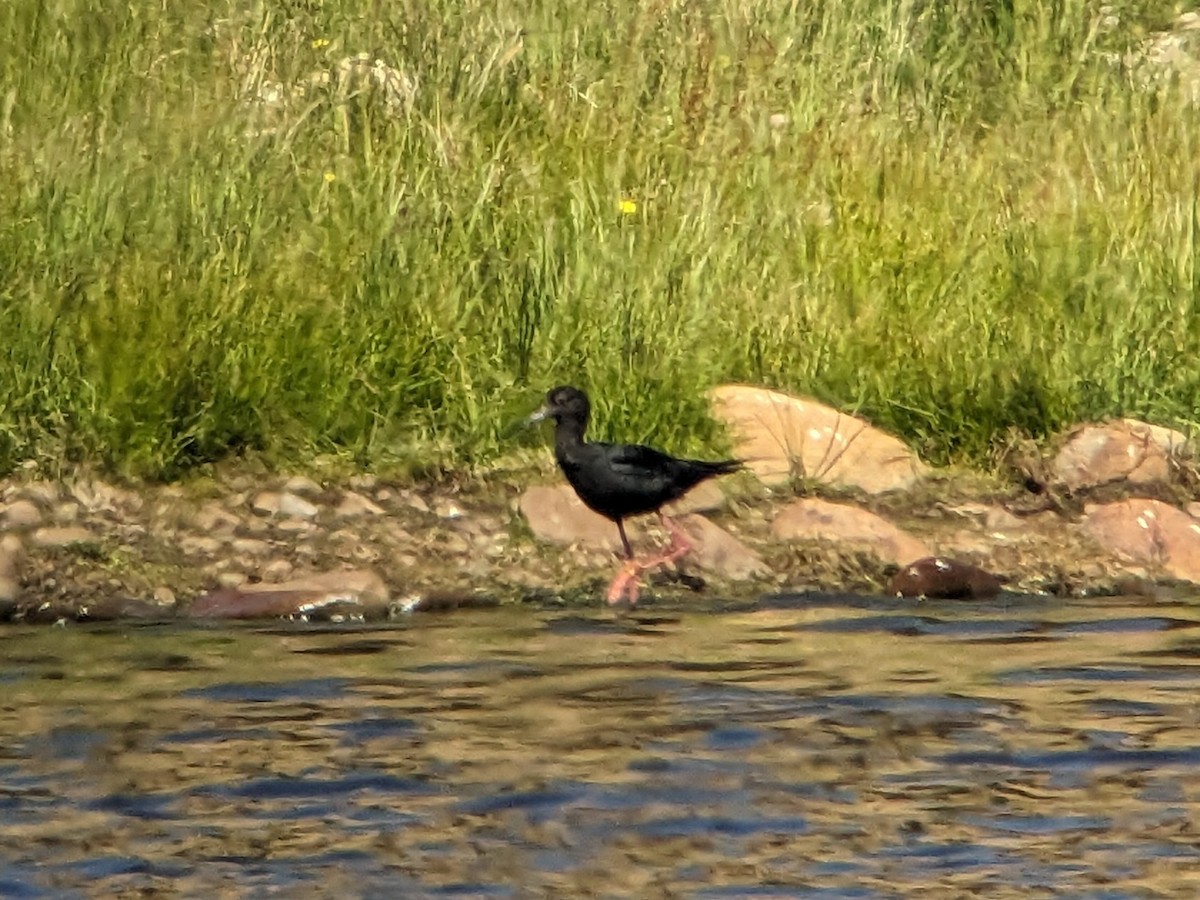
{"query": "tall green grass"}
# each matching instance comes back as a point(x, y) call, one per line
point(957, 219)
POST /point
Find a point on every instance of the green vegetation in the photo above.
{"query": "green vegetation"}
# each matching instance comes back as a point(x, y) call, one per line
point(955, 218)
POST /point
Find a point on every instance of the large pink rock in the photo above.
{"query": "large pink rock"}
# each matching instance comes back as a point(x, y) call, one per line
point(836, 523)
point(1148, 531)
point(716, 550)
point(781, 436)
point(1125, 449)
point(704, 497)
point(350, 594)
point(556, 515)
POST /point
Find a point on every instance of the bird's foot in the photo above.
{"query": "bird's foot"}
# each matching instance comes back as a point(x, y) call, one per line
point(626, 585)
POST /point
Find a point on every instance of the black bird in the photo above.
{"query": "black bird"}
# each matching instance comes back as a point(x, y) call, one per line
point(622, 480)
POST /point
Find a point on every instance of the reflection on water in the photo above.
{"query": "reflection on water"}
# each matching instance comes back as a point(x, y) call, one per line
point(809, 746)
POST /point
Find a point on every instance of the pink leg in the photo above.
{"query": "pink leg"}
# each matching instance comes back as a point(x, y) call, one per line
point(681, 545)
point(625, 584)
point(628, 581)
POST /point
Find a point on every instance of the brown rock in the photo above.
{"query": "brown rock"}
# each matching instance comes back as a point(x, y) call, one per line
point(941, 578)
point(256, 526)
point(366, 584)
point(345, 536)
point(813, 519)
point(296, 507)
point(409, 499)
point(354, 505)
point(780, 436)
point(250, 547)
point(1148, 531)
point(277, 570)
point(296, 526)
point(12, 551)
point(350, 594)
point(213, 517)
point(198, 545)
point(66, 512)
point(63, 536)
point(239, 603)
point(302, 485)
point(9, 589)
point(43, 493)
point(556, 515)
point(22, 514)
point(719, 551)
point(307, 550)
point(266, 503)
point(232, 579)
point(1125, 449)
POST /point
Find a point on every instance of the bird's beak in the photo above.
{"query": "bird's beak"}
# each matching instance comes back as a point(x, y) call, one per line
point(516, 426)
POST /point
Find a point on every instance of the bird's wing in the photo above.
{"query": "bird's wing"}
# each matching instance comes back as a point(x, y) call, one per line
point(638, 461)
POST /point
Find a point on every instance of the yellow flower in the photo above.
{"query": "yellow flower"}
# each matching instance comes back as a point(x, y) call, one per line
point(330, 178)
point(627, 207)
point(318, 43)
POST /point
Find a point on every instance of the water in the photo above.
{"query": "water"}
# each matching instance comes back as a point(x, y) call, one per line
point(809, 746)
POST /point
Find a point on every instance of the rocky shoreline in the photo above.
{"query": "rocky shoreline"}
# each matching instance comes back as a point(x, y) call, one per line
point(829, 504)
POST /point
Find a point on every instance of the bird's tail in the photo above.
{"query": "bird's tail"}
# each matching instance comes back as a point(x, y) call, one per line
point(725, 466)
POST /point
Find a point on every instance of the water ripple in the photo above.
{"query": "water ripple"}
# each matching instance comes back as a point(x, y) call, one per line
point(805, 745)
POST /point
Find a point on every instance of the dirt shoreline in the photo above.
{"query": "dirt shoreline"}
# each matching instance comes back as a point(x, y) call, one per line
point(81, 548)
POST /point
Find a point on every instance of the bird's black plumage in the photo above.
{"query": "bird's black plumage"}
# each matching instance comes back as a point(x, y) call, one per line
point(618, 480)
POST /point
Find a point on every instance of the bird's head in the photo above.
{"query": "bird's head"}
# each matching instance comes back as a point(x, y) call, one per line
point(564, 403)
